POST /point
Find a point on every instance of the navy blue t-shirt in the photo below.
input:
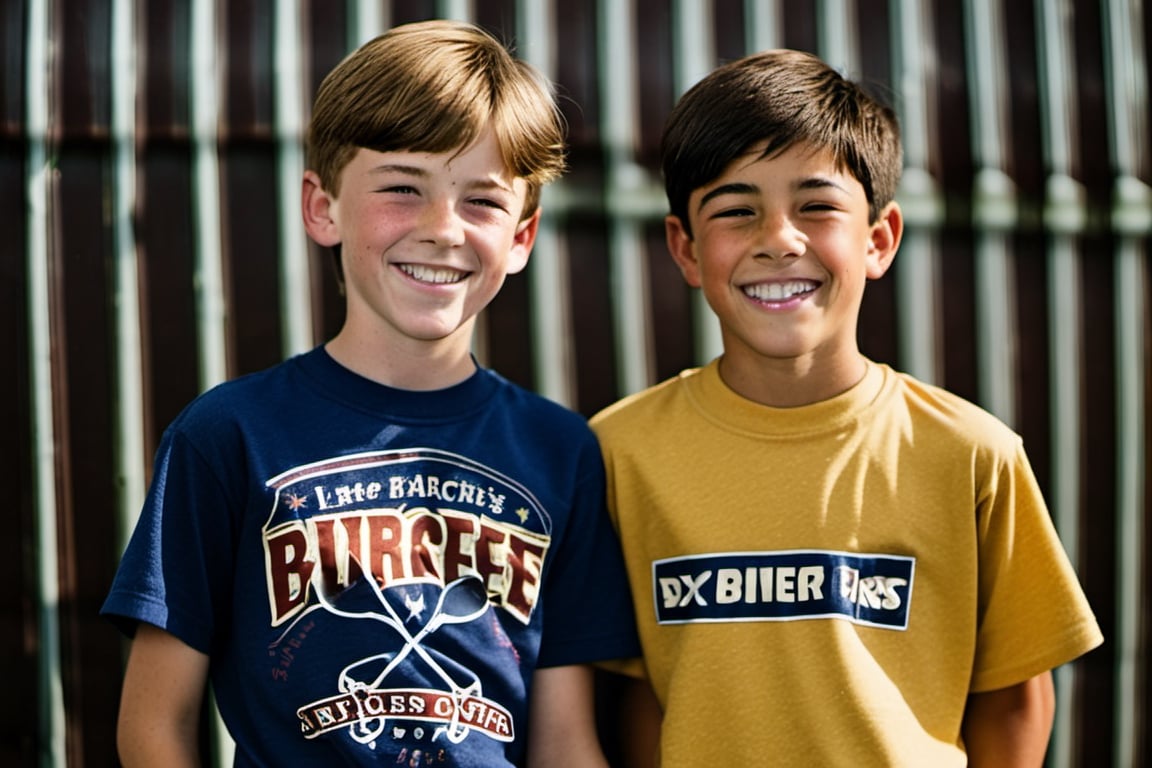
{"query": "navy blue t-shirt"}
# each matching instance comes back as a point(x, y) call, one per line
point(375, 573)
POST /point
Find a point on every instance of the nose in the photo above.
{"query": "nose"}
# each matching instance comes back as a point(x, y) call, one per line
point(780, 238)
point(440, 223)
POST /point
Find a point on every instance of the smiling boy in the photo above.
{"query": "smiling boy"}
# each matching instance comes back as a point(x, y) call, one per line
point(832, 563)
point(378, 552)
point(426, 240)
point(788, 324)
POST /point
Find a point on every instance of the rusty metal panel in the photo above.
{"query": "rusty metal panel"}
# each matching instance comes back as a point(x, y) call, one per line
point(19, 635)
point(1074, 300)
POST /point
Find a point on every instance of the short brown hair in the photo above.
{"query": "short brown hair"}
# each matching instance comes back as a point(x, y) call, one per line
point(434, 87)
point(779, 98)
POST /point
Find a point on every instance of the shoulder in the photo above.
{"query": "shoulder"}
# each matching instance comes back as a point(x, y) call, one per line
point(644, 409)
point(935, 410)
point(537, 418)
point(535, 406)
point(263, 395)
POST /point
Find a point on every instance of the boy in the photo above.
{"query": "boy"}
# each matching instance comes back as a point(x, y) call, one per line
point(378, 552)
point(832, 563)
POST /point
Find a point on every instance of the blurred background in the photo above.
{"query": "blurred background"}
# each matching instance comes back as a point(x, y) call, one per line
point(150, 156)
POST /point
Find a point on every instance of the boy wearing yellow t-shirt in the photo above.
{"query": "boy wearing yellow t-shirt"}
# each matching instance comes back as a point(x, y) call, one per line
point(832, 563)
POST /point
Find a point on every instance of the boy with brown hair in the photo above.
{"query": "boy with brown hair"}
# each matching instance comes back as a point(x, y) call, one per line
point(832, 563)
point(378, 552)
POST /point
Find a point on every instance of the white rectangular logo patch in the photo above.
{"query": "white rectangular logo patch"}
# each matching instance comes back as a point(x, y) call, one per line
point(867, 589)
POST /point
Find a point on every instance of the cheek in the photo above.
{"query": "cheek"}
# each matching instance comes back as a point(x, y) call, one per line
point(845, 253)
point(717, 251)
point(380, 229)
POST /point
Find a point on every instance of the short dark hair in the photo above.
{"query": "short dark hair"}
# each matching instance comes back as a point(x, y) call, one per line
point(779, 98)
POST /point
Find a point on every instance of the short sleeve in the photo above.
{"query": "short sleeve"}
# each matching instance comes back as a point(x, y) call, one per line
point(176, 570)
point(588, 605)
point(1033, 614)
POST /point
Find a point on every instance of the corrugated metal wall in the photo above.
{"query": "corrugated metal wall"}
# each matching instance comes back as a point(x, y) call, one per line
point(150, 158)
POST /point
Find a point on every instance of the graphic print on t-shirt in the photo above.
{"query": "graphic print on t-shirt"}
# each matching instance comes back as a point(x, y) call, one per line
point(416, 550)
point(867, 589)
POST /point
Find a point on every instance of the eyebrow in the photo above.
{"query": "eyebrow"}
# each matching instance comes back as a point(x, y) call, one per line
point(417, 171)
point(743, 188)
point(410, 170)
point(727, 189)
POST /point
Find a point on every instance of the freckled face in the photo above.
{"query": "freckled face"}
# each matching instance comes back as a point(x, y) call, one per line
point(781, 248)
point(426, 239)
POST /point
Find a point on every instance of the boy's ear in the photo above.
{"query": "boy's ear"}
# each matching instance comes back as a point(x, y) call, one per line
point(522, 242)
point(318, 209)
point(680, 246)
point(885, 239)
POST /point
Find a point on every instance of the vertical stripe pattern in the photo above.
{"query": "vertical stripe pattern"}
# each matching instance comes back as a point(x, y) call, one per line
point(154, 152)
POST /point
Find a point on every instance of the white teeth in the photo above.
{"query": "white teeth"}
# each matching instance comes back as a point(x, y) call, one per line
point(426, 274)
point(780, 291)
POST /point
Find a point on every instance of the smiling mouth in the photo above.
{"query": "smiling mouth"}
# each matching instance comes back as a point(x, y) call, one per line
point(780, 291)
point(433, 275)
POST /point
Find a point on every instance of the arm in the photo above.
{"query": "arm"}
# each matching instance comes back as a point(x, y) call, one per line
point(1010, 726)
point(641, 719)
point(160, 704)
point(562, 719)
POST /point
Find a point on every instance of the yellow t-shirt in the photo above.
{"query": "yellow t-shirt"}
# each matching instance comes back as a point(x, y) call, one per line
point(825, 585)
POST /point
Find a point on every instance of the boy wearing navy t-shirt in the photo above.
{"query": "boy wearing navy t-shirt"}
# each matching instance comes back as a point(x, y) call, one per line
point(378, 552)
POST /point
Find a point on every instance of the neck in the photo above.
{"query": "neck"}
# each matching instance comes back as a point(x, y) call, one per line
point(790, 383)
point(417, 366)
